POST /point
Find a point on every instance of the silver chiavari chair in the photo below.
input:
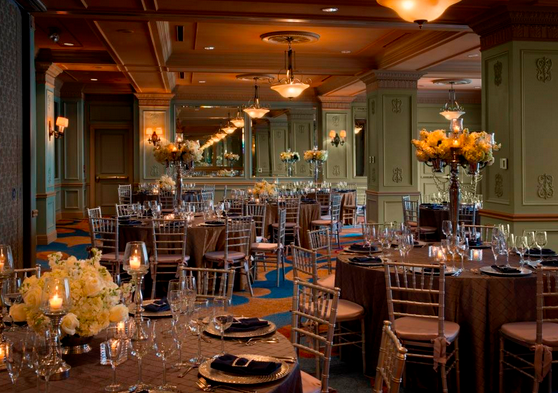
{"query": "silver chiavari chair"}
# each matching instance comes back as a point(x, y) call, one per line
point(169, 249)
point(206, 196)
point(391, 362)
point(411, 218)
point(129, 210)
point(124, 194)
point(539, 335)
point(237, 247)
point(482, 232)
point(22, 274)
point(196, 207)
point(320, 242)
point(333, 222)
point(257, 211)
point(324, 199)
point(292, 226)
point(236, 206)
point(263, 252)
point(467, 214)
point(166, 199)
point(211, 283)
point(314, 306)
point(416, 301)
point(93, 213)
point(105, 236)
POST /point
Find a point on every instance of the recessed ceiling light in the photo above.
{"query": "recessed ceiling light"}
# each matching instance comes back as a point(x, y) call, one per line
point(201, 81)
point(330, 9)
point(473, 55)
point(345, 51)
point(209, 47)
point(94, 79)
point(68, 44)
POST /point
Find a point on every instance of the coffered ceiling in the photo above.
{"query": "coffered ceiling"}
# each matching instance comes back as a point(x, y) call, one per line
point(133, 45)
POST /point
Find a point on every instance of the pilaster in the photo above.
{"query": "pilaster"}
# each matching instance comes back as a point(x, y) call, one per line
point(302, 136)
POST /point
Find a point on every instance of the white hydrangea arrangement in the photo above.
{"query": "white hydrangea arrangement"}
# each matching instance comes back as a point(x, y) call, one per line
point(95, 296)
point(166, 183)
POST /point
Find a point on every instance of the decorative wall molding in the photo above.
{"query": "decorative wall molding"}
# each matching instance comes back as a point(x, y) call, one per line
point(544, 69)
point(397, 176)
point(512, 23)
point(498, 73)
point(373, 107)
point(72, 90)
point(396, 105)
point(336, 102)
point(154, 99)
point(46, 72)
point(545, 186)
point(499, 185)
point(518, 217)
point(391, 79)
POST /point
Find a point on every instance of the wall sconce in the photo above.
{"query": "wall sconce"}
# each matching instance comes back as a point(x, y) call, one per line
point(337, 139)
point(358, 128)
point(58, 132)
point(154, 137)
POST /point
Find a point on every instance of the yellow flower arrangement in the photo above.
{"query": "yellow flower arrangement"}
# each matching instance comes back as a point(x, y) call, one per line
point(264, 187)
point(289, 156)
point(189, 151)
point(315, 155)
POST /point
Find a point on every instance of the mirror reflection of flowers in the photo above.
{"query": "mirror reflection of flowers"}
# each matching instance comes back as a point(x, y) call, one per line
point(290, 156)
point(95, 296)
point(166, 183)
point(231, 156)
point(189, 151)
point(315, 155)
point(226, 173)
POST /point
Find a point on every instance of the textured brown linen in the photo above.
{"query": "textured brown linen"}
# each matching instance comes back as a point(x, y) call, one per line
point(480, 304)
point(140, 197)
point(434, 218)
point(88, 375)
point(308, 213)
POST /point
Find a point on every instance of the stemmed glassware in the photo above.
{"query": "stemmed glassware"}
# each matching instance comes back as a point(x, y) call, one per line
point(540, 241)
point(114, 346)
point(406, 244)
point(461, 246)
point(521, 246)
point(44, 359)
point(510, 247)
point(141, 343)
point(447, 247)
point(385, 241)
point(495, 244)
point(197, 324)
point(164, 345)
point(447, 228)
point(175, 297)
point(179, 328)
point(222, 320)
point(14, 357)
point(11, 294)
point(530, 238)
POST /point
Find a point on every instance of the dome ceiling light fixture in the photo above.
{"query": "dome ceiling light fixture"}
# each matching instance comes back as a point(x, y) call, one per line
point(418, 11)
point(254, 109)
point(289, 86)
point(452, 109)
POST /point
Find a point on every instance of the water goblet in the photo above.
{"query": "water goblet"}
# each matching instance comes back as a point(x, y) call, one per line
point(164, 345)
point(14, 357)
point(530, 237)
point(175, 297)
point(44, 356)
point(11, 295)
point(222, 320)
point(179, 328)
point(141, 342)
point(495, 244)
point(114, 347)
point(197, 324)
point(540, 241)
point(461, 246)
point(521, 247)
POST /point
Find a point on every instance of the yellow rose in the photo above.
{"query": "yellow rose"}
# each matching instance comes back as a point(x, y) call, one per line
point(18, 313)
point(118, 313)
point(69, 324)
point(33, 296)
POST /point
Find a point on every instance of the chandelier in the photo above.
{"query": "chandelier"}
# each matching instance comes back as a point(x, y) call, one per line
point(418, 11)
point(451, 109)
point(238, 121)
point(230, 127)
point(255, 110)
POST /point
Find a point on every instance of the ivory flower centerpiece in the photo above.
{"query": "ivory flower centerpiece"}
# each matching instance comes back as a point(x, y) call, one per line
point(316, 158)
point(264, 188)
point(290, 158)
point(166, 183)
point(231, 157)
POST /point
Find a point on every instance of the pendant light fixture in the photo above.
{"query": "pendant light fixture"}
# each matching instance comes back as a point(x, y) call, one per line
point(452, 109)
point(418, 11)
point(230, 127)
point(289, 86)
point(255, 111)
point(238, 121)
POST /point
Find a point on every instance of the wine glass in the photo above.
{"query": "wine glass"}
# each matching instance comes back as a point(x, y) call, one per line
point(530, 237)
point(521, 246)
point(179, 327)
point(385, 241)
point(44, 356)
point(495, 244)
point(406, 244)
point(14, 356)
point(164, 345)
point(175, 296)
point(197, 324)
point(114, 347)
point(461, 246)
point(141, 341)
point(190, 293)
point(540, 241)
point(510, 247)
point(447, 228)
point(11, 294)
point(447, 248)
point(222, 320)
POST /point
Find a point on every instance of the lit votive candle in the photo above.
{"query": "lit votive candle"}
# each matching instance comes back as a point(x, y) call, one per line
point(55, 303)
point(134, 262)
point(2, 353)
point(475, 255)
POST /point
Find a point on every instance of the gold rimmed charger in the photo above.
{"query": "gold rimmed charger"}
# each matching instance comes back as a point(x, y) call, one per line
point(206, 371)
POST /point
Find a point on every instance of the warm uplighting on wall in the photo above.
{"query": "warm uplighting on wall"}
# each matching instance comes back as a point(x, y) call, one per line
point(418, 11)
point(154, 135)
point(337, 139)
point(58, 130)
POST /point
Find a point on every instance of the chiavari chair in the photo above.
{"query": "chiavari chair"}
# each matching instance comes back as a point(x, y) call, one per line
point(467, 214)
point(263, 252)
point(236, 206)
point(411, 218)
point(333, 222)
point(211, 283)
point(93, 213)
point(105, 237)
point(124, 194)
point(292, 225)
point(130, 210)
point(257, 211)
point(320, 242)
point(166, 199)
point(391, 362)
point(324, 199)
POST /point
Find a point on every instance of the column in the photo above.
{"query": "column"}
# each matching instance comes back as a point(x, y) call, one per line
point(278, 142)
point(302, 136)
point(46, 74)
point(520, 78)
point(73, 198)
point(392, 124)
point(154, 111)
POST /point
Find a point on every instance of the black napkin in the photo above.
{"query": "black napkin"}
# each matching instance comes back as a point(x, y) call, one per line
point(361, 247)
point(215, 222)
point(225, 363)
point(434, 270)
point(308, 200)
point(158, 306)
point(550, 263)
point(545, 251)
point(475, 243)
point(505, 269)
point(365, 259)
point(247, 325)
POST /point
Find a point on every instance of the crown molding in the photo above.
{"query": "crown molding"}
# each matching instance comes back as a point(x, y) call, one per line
point(382, 79)
point(439, 97)
point(507, 23)
point(154, 99)
point(336, 102)
point(46, 72)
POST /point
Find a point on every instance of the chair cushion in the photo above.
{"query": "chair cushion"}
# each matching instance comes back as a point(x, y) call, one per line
point(220, 255)
point(287, 224)
point(527, 332)
point(328, 282)
point(412, 223)
point(323, 223)
point(347, 311)
point(427, 229)
point(170, 258)
point(264, 247)
point(310, 384)
point(423, 329)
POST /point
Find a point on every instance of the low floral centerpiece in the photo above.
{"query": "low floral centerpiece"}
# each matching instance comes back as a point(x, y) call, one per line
point(166, 183)
point(472, 149)
point(95, 297)
point(264, 188)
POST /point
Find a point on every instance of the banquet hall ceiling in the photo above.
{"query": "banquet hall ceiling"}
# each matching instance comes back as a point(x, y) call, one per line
point(131, 45)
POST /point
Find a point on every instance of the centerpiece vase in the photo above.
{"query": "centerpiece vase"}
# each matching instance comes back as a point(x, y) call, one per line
point(178, 182)
point(289, 169)
point(62, 369)
point(138, 298)
point(317, 166)
point(454, 193)
point(76, 345)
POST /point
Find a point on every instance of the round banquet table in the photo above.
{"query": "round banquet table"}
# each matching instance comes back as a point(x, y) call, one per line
point(308, 213)
point(430, 217)
point(88, 375)
point(187, 196)
point(479, 303)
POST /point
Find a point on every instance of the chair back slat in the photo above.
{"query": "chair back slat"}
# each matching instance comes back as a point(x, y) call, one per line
point(547, 298)
point(304, 263)
point(128, 210)
point(257, 211)
point(211, 283)
point(166, 199)
point(238, 233)
point(124, 194)
point(391, 362)
point(169, 237)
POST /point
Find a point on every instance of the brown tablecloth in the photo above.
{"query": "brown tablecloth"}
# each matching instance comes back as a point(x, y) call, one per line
point(140, 197)
point(434, 217)
point(308, 213)
point(479, 303)
point(88, 375)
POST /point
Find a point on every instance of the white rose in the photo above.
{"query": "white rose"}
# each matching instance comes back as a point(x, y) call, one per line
point(33, 296)
point(18, 313)
point(92, 285)
point(118, 313)
point(69, 324)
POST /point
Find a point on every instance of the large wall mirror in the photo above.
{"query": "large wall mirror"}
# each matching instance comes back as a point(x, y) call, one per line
point(223, 155)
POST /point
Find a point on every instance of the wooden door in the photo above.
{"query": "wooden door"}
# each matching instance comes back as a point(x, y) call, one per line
point(113, 165)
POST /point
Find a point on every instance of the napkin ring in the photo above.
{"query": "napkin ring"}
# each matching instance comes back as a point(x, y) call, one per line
point(241, 365)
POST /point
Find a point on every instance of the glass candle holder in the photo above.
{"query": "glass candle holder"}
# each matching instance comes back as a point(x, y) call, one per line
point(135, 258)
point(475, 255)
point(56, 297)
point(6, 260)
